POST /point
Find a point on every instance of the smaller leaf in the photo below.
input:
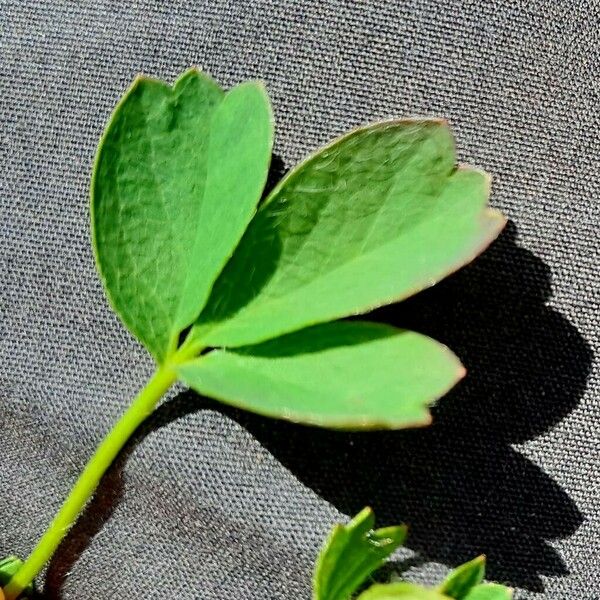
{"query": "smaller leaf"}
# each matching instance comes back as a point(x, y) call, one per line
point(462, 579)
point(352, 553)
point(344, 375)
point(400, 591)
point(178, 174)
point(489, 591)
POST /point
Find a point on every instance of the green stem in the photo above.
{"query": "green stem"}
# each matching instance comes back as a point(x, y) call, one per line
point(142, 407)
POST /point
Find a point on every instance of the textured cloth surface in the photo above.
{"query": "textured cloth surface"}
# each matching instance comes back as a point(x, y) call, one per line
point(214, 504)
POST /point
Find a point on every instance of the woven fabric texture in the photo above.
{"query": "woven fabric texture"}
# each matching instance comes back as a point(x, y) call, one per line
point(210, 503)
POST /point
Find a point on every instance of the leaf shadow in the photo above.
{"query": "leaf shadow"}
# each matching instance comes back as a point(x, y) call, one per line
point(460, 485)
point(277, 171)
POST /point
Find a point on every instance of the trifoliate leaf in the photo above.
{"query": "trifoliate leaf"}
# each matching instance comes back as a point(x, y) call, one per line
point(178, 174)
point(400, 591)
point(489, 591)
point(370, 219)
point(462, 579)
point(352, 553)
point(347, 375)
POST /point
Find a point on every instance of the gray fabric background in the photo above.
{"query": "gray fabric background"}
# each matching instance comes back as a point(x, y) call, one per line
point(211, 505)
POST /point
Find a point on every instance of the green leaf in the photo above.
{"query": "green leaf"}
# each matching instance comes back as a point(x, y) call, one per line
point(409, 591)
point(400, 591)
point(346, 374)
point(462, 579)
point(370, 219)
point(352, 553)
point(489, 591)
point(178, 174)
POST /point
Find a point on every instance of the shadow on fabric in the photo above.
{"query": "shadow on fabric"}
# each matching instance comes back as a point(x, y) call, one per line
point(460, 484)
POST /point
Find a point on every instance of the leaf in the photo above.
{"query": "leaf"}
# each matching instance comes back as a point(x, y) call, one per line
point(352, 553)
point(408, 591)
point(178, 174)
point(370, 219)
point(462, 579)
point(400, 591)
point(489, 591)
point(346, 374)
